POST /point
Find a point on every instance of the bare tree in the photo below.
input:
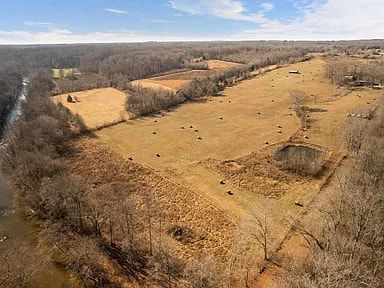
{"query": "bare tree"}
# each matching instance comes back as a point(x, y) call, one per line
point(205, 273)
point(18, 265)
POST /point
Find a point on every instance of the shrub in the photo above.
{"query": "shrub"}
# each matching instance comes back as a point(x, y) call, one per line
point(198, 88)
point(202, 65)
point(143, 101)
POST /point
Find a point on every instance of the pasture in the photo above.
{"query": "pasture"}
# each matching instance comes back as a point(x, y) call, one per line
point(198, 144)
point(175, 81)
point(230, 137)
point(98, 107)
point(64, 73)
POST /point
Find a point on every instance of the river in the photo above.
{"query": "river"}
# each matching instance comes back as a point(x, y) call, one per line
point(15, 229)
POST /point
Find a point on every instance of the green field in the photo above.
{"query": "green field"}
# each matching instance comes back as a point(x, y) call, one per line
point(65, 73)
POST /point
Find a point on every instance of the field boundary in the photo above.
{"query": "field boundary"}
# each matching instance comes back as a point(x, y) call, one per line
point(290, 233)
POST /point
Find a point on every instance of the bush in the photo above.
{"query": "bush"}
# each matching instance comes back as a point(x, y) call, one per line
point(198, 88)
point(202, 65)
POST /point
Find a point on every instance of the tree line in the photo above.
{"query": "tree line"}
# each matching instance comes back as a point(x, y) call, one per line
point(11, 85)
point(98, 232)
point(143, 101)
point(348, 251)
point(121, 63)
point(347, 72)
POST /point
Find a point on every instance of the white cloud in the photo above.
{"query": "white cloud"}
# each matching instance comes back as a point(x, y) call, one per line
point(44, 25)
point(162, 21)
point(227, 9)
point(333, 19)
point(116, 11)
point(267, 6)
point(38, 24)
point(319, 20)
point(66, 36)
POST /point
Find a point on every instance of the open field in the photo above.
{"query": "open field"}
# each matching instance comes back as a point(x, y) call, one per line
point(240, 137)
point(175, 81)
point(184, 153)
point(219, 64)
point(64, 73)
point(177, 204)
point(237, 134)
point(97, 107)
point(104, 106)
point(264, 171)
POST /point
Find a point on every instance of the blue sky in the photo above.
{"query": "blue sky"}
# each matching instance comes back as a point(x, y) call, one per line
point(75, 21)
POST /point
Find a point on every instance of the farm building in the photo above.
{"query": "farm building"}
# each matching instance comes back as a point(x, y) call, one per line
point(294, 72)
point(377, 87)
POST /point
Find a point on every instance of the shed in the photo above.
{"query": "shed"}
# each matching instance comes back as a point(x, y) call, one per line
point(294, 72)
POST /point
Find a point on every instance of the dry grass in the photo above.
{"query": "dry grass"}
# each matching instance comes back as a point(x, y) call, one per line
point(171, 85)
point(259, 173)
point(176, 80)
point(98, 107)
point(179, 206)
point(219, 64)
point(191, 189)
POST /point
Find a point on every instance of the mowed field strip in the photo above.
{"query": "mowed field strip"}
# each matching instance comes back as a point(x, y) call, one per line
point(176, 81)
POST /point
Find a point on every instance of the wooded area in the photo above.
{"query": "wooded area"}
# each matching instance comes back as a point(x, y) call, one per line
point(348, 248)
point(11, 84)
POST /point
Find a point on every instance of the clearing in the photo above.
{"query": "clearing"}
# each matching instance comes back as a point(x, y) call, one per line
point(98, 107)
point(65, 73)
point(175, 81)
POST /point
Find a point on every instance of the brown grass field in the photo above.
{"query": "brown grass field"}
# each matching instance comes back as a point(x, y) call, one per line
point(219, 64)
point(97, 107)
point(191, 168)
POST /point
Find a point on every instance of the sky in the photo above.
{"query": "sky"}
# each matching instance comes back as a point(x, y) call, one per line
point(102, 21)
